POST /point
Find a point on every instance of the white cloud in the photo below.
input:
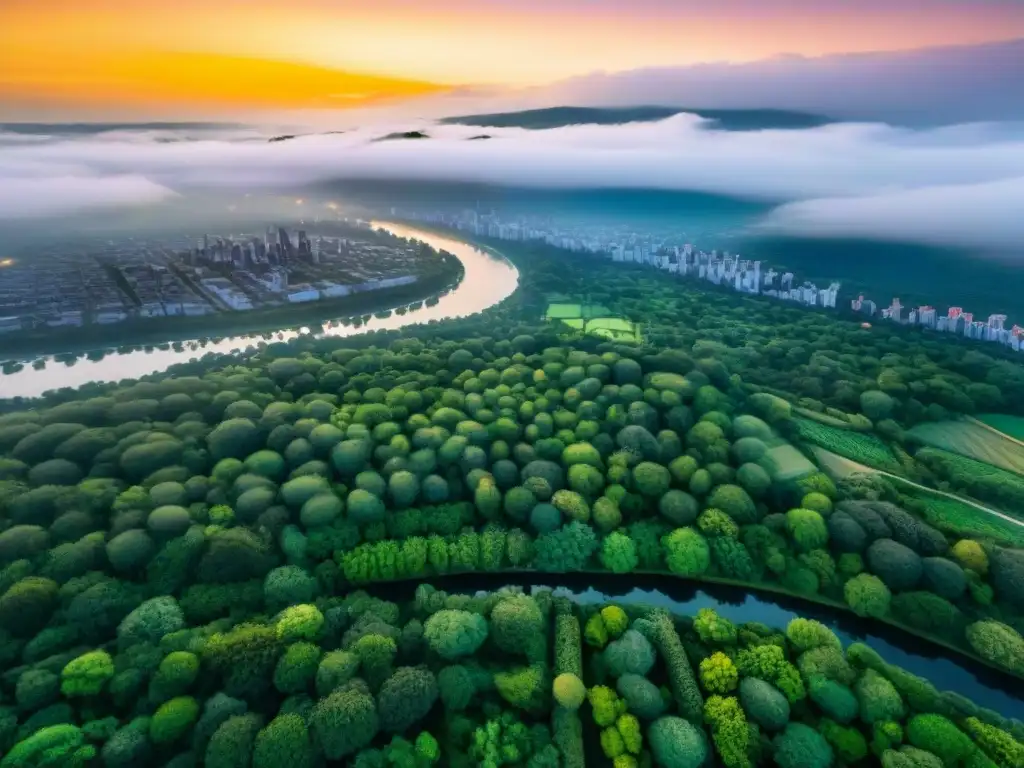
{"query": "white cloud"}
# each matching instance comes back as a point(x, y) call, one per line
point(829, 174)
point(33, 197)
point(989, 214)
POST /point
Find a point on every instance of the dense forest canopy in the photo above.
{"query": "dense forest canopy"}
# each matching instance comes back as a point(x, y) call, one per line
point(182, 557)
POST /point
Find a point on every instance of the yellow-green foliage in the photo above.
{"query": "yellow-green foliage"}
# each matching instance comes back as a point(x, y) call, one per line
point(569, 691)
point(615, 620)
point(596, 633)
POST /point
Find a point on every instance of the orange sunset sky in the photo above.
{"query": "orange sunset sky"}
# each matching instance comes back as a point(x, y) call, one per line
point(229, 54)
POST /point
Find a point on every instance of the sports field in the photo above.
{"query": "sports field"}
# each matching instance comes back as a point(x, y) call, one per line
point(973, 441)
point(593, 320)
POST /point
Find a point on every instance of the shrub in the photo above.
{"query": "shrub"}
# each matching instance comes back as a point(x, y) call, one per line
point(517, 624)
point(735, 502)
point(344, 722)
point(335, 669)
point(650, 479)
point(173, 720)
point(233, 741)
point(867, 595)
point(662, 633)
point(805, 634)
point(849, 743)
point(297, 667)
point(152, 620)
point(676, 743)
point(764, 704)
point(833, 698)
point(897, 565)
point(567, 549)
point(284, 743)
point(630, 654)
point(642, 697)
point(298, 622)
point(718, 674)
point(971, 556)
point(523, 687)
point(678, 507)
point(288, 585)
point(998, 643)
point(87, 674)
point(938, 735)
point(999, 745)
point(714, 629)
point(618, 553)
point(27, 605)
point(800, 746)
point(130, 550)
point(453, 634)
point(405, 698)
point(569, 691)
point(878, 698)
point(943, 577)
point(686, 552)
point(177, 671)
point(807, 528)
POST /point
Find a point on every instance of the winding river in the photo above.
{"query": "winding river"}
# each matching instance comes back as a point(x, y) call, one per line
point(488, 279)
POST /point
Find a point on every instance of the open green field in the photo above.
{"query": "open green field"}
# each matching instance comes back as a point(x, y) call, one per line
point(973, 441)
point(783, 463)
point(1008, 425)
point(969, 466)
point(594, 320)
point(962, 519)
point(866, 449)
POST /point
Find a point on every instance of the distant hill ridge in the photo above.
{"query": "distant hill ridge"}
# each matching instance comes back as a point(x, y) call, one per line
point(725, 119)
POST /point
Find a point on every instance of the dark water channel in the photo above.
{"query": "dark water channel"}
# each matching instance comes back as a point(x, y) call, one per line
point(984, 686)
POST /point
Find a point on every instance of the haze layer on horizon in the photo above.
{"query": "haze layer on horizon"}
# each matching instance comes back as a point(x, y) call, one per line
point(113, 59)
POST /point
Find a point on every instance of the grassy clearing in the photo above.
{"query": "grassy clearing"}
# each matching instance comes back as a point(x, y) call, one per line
point(784, 463)
point(866, 449)
point(973, 441)
point(1013, 426)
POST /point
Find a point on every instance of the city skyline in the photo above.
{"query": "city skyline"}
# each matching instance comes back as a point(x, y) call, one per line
point(135, 54)
point(663, 251)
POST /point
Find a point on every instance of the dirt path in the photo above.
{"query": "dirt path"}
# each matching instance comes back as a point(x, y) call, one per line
point(840, 466)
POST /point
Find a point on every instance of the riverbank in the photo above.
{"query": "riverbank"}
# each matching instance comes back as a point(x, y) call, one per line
point(26, 345)
point(961, 674)
point(487, 280)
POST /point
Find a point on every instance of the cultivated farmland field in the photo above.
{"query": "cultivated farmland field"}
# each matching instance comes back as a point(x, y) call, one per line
point(1008, 425)
point(964, 520)
point(973, 441)
point(866, 449)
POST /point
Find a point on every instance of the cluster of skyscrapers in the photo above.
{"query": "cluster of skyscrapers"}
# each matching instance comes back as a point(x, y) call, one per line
point(275, 248)
point(954, 321)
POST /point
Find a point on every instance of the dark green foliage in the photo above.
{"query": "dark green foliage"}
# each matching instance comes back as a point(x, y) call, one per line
point(764, 704)
point(405, 698)
point(344, 722)
point(800, 746)
point(283, 742)
point(232, 743)
point(895, 564)
point(662, 634)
